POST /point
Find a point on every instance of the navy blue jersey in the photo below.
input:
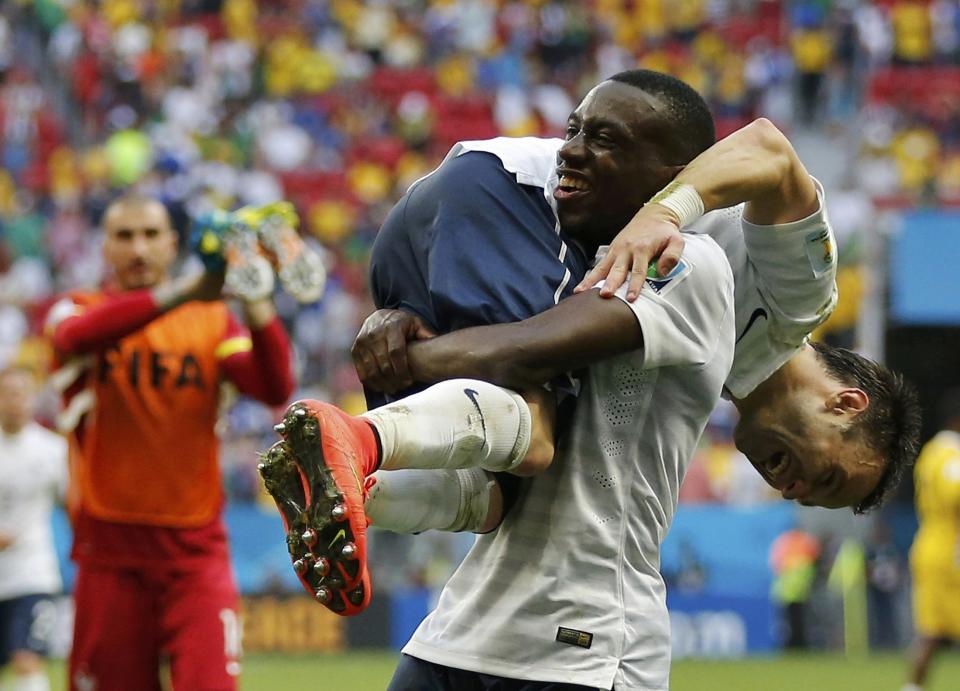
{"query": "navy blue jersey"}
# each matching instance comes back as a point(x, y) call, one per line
point(470, 246)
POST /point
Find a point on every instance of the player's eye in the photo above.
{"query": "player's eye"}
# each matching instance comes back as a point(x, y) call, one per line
point(572, 131)
point(827, 478)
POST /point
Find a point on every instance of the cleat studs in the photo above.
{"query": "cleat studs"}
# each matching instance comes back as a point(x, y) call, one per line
point(349, 551)
point(323, 595)
point(300, 567)
point(261, 468)
point(322, 567)
point(300, 413)
point(310, 537)
point(279, 428)
point(338, 512)
point(356, 596)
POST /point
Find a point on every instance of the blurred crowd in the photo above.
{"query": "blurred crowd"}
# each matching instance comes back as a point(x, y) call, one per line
point(338, 105)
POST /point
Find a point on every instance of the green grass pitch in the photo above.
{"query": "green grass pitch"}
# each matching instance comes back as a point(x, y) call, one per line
point(370, 671)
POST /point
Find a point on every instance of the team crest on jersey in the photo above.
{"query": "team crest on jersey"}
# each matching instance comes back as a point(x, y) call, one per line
point(820, 251)
point(664, 284)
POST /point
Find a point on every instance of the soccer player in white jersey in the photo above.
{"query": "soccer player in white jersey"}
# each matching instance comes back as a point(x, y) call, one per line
point(33, 474)
point(563, 332)
point(785, 389)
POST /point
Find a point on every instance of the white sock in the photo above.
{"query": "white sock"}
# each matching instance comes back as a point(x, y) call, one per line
point(36, 681)
point(411, 501)
point(459, 423)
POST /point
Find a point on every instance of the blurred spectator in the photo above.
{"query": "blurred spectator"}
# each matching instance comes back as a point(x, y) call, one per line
point(33, 476)
point(912, 34)
point(885, 579)
point(793, 559)
point(811, 47)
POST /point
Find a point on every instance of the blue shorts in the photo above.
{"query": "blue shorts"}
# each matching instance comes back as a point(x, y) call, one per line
point(414, 674)
point(25, 624)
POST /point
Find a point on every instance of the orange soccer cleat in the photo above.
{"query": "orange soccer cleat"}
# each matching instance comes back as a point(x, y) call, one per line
point(316, 477)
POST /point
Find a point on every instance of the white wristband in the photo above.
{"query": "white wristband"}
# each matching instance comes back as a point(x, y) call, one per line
point(682, 199)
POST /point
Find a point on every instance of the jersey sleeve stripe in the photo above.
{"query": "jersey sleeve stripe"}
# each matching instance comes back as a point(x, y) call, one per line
point(232, 346)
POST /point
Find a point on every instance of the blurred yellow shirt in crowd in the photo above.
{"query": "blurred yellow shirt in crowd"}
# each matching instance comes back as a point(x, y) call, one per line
point(916, 151)
point(912, 38)
point(811, 51)
point(686, 15)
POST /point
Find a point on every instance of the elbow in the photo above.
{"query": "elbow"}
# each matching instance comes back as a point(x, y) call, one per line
point(766, 133)
point(775, 146)
point(281, 392)
point(276, 399)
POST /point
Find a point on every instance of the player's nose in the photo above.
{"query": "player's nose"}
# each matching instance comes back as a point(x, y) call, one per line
point(798, 489)
point(573, 150)
point(140, 247)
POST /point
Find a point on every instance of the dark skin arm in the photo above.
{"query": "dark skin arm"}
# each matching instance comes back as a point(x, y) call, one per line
point(575, 333)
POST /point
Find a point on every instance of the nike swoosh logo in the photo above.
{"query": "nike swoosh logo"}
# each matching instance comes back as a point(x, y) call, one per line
point(342, 533)
point(757, 314)
point(472, 395)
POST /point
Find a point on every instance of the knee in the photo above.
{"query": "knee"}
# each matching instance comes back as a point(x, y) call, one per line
point(538, 458)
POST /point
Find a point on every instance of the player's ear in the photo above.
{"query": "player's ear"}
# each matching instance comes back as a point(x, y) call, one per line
point(851, 401)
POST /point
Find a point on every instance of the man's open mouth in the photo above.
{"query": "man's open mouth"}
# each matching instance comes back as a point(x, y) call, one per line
point(571, 186)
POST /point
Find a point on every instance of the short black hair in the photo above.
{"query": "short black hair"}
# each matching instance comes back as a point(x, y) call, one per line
point(694, 128)
point(891, 423)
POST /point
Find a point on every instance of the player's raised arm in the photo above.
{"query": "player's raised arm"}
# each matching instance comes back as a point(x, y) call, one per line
point(140, 245)
point(257, 359)
point(756, 164)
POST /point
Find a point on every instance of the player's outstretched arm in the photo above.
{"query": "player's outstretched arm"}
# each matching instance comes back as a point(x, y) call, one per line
point(519, 355)
point(675, 325)
point(259, 362)
point(584, 328)
point(75, 330)
point(756, 164)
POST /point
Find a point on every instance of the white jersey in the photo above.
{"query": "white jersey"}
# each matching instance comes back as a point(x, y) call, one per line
point(786, 286)
point(33, 474)
point(568, 589)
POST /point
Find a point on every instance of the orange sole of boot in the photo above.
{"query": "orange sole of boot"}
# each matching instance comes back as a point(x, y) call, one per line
point(311, 480)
